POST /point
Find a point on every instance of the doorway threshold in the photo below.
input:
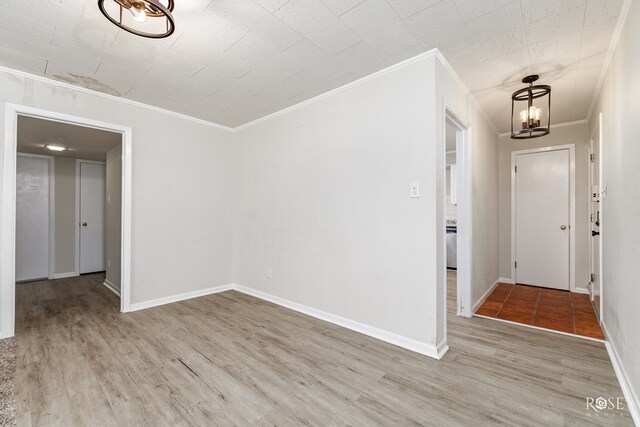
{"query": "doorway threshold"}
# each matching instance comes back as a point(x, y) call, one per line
point(568, 334)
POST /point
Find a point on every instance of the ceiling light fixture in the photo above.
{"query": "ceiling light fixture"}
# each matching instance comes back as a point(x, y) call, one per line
point(529, 122)
point(56, 148)
point(145, 18)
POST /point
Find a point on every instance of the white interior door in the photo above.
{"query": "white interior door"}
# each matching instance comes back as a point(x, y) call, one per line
point(542, 209)
point(92, 217)
point(32, 217)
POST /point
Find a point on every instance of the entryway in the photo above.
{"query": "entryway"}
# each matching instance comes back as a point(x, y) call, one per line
point(544, 291)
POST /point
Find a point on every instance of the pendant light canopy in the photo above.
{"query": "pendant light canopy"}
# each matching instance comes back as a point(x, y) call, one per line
point(531, 110)
point(145, 18)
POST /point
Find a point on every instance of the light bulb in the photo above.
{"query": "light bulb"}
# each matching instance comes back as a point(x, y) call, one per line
point(55, 148)
point(537, 113)
point(138, 11)
point(523, 116)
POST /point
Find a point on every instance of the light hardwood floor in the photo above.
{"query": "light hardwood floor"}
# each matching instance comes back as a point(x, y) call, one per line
point(230, 359)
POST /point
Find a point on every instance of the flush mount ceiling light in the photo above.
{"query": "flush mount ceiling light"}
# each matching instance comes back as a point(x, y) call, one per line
point(56, 147)
point(531, 103)
point(145, 18)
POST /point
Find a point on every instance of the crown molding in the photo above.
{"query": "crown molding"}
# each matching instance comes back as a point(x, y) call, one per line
point(384, 71)
point(84, 90)
point(559, 125)
point(607, 60)
point(469, 94)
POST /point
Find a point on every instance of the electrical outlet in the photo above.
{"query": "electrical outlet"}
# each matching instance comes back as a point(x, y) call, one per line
point(268, 273)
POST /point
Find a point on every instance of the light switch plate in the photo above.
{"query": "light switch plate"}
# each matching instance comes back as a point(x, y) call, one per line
point(414, 190)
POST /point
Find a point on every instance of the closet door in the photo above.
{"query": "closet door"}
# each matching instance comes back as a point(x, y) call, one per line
point(32, 217)
point(92, 217)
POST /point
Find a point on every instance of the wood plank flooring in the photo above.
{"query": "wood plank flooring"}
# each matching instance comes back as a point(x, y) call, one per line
point(545, 308)
point(231, 359)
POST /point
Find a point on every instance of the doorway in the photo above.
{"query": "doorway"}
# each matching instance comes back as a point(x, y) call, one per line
point(455, 226)
point(14, 113)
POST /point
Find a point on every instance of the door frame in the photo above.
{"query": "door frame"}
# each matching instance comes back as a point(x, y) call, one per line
point(597, 132)
point(77, 208)
point(572, 208)
point(12, 111)
point(464, 215)
point(52, 209)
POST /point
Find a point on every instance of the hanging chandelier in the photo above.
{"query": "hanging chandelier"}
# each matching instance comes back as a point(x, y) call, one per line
point(534, 117)
point(145, 18)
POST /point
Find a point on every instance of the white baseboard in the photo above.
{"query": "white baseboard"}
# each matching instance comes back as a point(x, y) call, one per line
point(484, 297)
point(180, 297)
point(630, 396)
point(65, 275)
point(111, 287)
point(505, 280)
point(426, 349)
point(538, 328)
point(581, 291)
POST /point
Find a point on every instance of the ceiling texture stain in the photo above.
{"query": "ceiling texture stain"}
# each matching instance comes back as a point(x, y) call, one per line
point(233, 61)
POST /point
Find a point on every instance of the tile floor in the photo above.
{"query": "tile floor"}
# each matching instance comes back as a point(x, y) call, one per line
point(545, 308)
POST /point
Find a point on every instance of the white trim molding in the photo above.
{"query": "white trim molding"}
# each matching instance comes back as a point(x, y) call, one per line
point(617, 32)
point(508, 281)
point(436, 352)
point(558, 125)
point(538, 328)
point(630, 395)
point(111, 287)
point(180, 297)
point(7, 291)
point(400, 65)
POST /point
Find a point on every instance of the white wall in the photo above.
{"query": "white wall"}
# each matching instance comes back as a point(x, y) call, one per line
point(113, 216)
point(577, 134)
point(182, 187)
point(65, 215)
point(619, 102)
point(322, 200)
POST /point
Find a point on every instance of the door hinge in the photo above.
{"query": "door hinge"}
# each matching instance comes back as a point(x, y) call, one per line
point(593, 278)
point(516, 169)
point(516, 264)
point(592, 157)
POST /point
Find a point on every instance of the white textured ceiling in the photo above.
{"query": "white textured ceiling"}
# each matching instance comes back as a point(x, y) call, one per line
point(233, 61)
point(82, 142)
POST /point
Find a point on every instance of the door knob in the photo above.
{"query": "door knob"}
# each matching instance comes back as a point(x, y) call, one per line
point(84, 224)
point(563, 227)
point(594, 233)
